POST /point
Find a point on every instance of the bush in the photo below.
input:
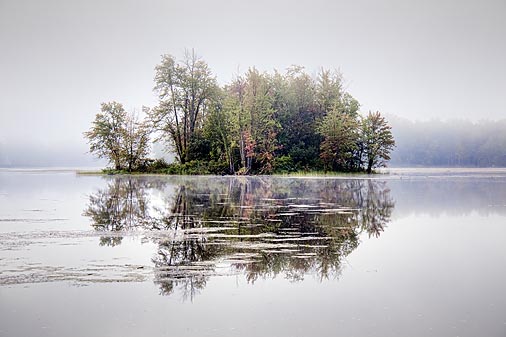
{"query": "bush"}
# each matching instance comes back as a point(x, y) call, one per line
point(284, 164)
point(193, 167)
point(156, 166)
point(218, 167)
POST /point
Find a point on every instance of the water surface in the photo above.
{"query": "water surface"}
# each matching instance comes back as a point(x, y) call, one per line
point(410, 253)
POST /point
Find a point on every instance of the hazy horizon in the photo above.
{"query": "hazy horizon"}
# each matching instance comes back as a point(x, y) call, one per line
point(60, 60)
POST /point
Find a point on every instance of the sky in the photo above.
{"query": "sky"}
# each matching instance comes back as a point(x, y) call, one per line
point(420, 60)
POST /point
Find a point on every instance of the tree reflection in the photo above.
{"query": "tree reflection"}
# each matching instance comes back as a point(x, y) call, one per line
point(262, 227)
point(121, 206)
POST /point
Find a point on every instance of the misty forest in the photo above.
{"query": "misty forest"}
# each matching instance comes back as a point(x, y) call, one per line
point(455, 143)
point(260, 123)
point(312, 168)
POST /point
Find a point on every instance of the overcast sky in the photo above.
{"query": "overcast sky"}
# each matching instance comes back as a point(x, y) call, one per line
point(416, 59)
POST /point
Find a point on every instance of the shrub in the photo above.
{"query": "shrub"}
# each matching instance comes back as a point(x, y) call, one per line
point(193, 167)
point(284, 164)
point(156, 166)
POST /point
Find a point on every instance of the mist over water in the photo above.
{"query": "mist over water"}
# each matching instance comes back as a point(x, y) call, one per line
point(53, 79)
point(450, 143)
point(407, 252)
point(436, 143)
point(391, 255)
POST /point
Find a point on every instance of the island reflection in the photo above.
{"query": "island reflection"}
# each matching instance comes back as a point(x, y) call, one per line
point(259, 226)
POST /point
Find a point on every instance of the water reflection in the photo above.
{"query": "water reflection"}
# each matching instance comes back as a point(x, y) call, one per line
point(122, 205)
point(259, 226)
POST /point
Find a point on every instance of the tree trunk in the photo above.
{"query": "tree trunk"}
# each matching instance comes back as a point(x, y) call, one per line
point(242, 150)
point(117, 164)
point(369, 166)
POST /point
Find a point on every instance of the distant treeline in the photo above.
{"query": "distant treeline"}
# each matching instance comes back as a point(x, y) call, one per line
point(449, 143)
point(259, 123)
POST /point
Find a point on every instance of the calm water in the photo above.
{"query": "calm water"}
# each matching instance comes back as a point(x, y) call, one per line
point(410, 253)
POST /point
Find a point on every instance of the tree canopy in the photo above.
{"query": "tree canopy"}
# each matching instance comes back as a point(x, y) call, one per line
point(186, 90)
point(376, 141)
point(119, 136)
point(259, 123)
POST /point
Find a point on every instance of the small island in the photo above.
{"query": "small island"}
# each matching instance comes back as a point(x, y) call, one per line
point(260, 123)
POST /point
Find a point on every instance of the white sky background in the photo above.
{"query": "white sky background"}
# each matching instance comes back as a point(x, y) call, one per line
point(416, 59)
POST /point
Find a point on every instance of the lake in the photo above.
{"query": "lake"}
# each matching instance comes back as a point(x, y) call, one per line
point(403, 253)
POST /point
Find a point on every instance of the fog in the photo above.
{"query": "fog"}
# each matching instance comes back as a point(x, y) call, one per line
point(70, 155)
point(61, 59)
point(449, 143)
point(434, 143)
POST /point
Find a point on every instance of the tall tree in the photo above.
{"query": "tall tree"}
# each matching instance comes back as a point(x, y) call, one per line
point(260, 135)
point(376, 141)
point(135, 141)
point(298, 114)
point(221, 131)
point(329, 89)
point(248, 104)
point(234, 105)
point(186, 90)
point(340, 141)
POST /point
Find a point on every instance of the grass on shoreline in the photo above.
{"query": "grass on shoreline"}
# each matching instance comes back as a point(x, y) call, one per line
point(213, 168)
point(316, 173)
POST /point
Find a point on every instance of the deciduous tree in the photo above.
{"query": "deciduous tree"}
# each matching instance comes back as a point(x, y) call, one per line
point(105, 136)
point(135, 141)
point(376, 141)
point(339, 143)
point(119, 137)
point(186, 89)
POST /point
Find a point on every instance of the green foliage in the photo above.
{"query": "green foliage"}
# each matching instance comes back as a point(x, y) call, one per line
point(218, 167)
point(221, 131)
point(104, 137)
point(340, 141)
point(119, 136)
point(329, 90)
point(156, 166)
point(193, 167)
point(258, 133)
point(284, 164)
point(199, 147)
point(376, 141)
point(298, 114)
point(186, 90)
point(260, 123)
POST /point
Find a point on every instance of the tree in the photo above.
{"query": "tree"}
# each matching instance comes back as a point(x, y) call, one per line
point(329, 89)
point(186, 90)
point(298, 115)
point(135, 141)
point(105, 135)
point(241, 121)
point(119, 137)
point(221, 131)
point(339, 125)
point(376, 141)
point(259, 123)
point(259, 137)
point(340, 141)
point(250, 122)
